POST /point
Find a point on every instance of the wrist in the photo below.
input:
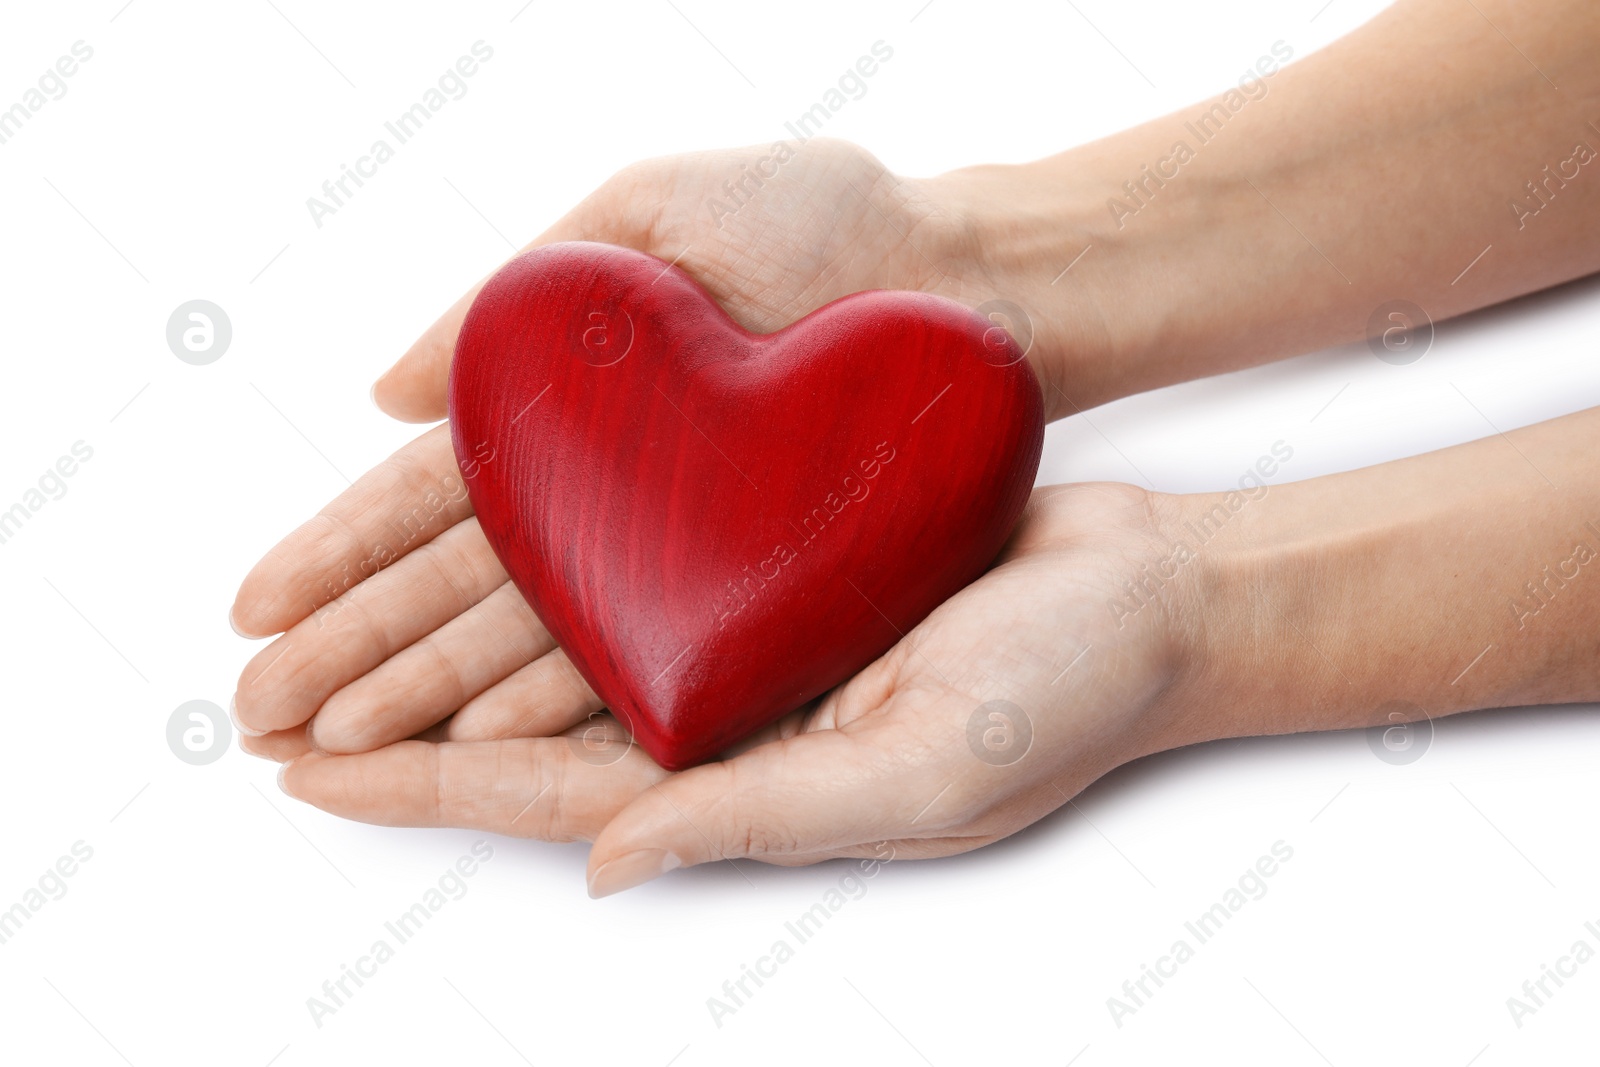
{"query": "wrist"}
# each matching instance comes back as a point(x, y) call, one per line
point(1033, 243)
point(1119, 306)
point(1443, 583)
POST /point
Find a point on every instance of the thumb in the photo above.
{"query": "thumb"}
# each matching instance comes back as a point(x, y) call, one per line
point(808, 794)
point(414, 389)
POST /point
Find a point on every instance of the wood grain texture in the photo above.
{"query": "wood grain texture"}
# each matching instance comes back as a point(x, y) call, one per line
point(718, 526)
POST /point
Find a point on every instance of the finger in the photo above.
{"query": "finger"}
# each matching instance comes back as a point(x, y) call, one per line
point(813, 793)
point(414, 389)
point(543, 698)
point(400, 505)
point(420, 685)
point(287, 681)
point(526, 787)
point(279, 746)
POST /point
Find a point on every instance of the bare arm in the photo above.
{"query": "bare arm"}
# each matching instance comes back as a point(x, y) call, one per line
point(1461, 579)
point(1446, 153)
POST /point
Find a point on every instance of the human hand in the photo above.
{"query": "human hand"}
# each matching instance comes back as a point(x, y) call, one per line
point(998, 708)
point(1116, 623)
point(774, 233)
point(396, 615)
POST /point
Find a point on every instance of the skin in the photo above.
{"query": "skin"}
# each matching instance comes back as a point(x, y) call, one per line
point(429, 694)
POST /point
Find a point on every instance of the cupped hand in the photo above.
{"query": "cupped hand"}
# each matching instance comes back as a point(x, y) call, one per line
point(995, 710)
point(397, 618)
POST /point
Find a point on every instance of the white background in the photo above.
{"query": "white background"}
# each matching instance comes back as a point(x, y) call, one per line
point(1418, 898)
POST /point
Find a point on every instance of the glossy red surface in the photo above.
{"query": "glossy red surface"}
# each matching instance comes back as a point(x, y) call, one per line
point(716, 525)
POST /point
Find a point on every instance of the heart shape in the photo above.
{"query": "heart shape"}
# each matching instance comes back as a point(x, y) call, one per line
point(718, 526)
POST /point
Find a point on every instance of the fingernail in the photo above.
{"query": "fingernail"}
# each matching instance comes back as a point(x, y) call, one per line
point(233, 713)
point(281, 772)
point(234, 625)
point(372, 395)
point(631, 869)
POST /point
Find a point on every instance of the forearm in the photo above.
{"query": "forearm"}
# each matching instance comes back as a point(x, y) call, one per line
point(1383, 167)
point(1461, 579)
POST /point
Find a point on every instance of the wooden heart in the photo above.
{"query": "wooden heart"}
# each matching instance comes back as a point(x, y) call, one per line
point(717, 525)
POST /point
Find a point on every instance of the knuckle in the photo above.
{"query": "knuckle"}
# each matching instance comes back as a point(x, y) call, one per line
point(271, 696)
point(346, 722)
point(754, 829)
point(636, 175)
point(434, 771)
point(331, 538)
point(541, 773)
point(763, 838)
point(440, 680)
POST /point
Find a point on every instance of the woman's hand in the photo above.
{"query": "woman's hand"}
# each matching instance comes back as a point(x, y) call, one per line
point(998, 708)
point(396, 616)
point(1116, 623)
point(774, 233)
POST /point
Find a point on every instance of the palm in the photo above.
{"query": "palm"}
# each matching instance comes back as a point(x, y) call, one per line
point(1018, 691)
point(890, 764)
point(831, 222)
point(842, 222)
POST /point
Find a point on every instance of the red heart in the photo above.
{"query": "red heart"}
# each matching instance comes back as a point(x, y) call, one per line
point(716, 525)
